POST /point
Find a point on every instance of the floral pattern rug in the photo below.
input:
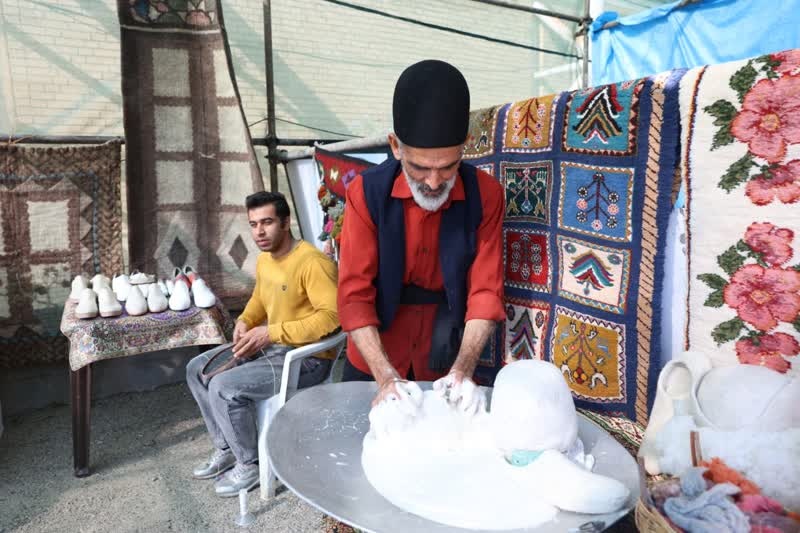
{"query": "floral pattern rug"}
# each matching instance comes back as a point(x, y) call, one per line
point(741, 150)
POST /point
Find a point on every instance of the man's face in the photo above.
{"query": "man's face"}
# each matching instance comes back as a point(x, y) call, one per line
point(268, 232)
point(431, 172)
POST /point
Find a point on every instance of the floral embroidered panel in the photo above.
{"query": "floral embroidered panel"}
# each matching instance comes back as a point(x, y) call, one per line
point(741, 166)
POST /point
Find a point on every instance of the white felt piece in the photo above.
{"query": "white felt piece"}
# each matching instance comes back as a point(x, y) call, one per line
point(532, 408)
point(749, 396)
point(438, 465)
point(445, 464)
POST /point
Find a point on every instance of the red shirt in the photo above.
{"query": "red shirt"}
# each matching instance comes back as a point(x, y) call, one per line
point(407, 341)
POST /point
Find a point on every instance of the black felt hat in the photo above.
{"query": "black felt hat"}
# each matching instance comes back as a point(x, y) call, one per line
point(431, 105)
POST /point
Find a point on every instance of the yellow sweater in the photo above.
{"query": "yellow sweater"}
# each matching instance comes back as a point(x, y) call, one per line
point(295, 295)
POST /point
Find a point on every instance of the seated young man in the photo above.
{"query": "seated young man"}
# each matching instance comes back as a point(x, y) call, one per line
point(293, 303)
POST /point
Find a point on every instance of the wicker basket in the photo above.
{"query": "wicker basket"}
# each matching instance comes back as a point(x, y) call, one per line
point(648, 518)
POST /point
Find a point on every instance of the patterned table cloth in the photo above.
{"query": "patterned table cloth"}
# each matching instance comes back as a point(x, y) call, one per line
point(108, 338)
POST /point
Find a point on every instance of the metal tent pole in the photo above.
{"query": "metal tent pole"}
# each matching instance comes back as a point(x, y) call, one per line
point(587, 19)
point(534, 10)
point(272, 137)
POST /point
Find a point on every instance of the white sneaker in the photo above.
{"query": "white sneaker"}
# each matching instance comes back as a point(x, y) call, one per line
point(203, 297)
point(99, 280)
point(78, 285)
point(87, 305)
point(156, 301)
point(135, 305)
point(107, 303)
point(180, 300)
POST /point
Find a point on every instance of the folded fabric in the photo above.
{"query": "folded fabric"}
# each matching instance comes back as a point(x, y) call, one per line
point(772, 523)
point(706, 511)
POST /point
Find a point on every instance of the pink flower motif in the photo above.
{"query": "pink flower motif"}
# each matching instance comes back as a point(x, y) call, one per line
point(769, 352)
point(770, 117)
point(613, 209)
point(198, 18)
point(526, 172)
point(764, 296)
point(515, 139)
point(516, 114)
point(581, 203)
point(784, 183)
point(597, 225)
point(328, 226)
point(772, 242)
point(790, 61)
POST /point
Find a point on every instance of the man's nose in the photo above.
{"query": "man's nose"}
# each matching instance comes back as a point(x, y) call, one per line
point(436, 179)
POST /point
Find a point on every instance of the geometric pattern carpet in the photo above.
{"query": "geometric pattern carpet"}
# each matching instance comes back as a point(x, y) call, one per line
point(588, 178)
point(189, 159)
point(61, 216)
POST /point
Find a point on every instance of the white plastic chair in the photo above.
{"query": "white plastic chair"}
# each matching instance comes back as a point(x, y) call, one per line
point(266, 409)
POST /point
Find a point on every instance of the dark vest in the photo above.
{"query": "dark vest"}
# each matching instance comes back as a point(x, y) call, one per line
point(457, 242)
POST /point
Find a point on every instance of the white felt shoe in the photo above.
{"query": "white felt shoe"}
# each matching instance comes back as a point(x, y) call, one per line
point(203, 297)
point(78, 285)
point(156, 301)
point(163, 288)
point(87, 305)
point(107, 303)
point(138, 278)
point(135, 305)
point(99, 280)
point(118, 281)
point(170, 286)
point(122, 287)
point(180, 300)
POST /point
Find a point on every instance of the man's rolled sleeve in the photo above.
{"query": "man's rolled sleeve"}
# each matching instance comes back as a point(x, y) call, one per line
point(358, 262)
point(485, 279)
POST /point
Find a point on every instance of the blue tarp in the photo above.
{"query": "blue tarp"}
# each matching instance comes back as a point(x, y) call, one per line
point(705, 32)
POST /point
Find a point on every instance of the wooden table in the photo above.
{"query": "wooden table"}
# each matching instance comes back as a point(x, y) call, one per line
point(109, 338)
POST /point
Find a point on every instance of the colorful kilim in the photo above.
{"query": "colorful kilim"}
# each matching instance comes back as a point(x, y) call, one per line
point(190, 163)
point(61, 216)
point(741, 149)
point(588, 177)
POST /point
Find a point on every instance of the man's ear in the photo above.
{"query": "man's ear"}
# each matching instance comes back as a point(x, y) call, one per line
point(394, 144)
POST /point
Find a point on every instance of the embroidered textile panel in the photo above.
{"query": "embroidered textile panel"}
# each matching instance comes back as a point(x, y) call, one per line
point(336, 171)
point(588, 178)
point(190, 162)
point(741, 150)
point(61, 215)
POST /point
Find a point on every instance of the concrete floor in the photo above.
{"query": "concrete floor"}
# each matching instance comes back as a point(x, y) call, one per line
point(144, 446)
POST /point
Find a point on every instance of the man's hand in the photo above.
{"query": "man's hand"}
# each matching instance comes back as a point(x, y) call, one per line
point(395, 406)
point(251, 342)
point(461, 392)
point(239, 330)
point(406, 394)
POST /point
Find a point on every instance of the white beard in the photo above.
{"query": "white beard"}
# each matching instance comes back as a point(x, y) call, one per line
point(430, 203)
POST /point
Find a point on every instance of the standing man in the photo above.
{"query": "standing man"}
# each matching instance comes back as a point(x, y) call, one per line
point(293, 303)
point(420, 273)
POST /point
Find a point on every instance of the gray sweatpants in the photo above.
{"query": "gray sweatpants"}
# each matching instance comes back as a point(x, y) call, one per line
point(228, 403)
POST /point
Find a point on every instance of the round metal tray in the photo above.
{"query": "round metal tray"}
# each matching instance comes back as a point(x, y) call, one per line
point(314, 445)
